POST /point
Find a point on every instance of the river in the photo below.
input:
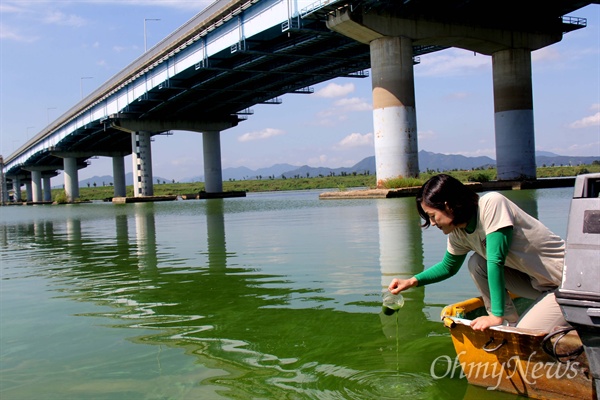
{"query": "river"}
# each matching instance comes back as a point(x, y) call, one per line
point(272, 296)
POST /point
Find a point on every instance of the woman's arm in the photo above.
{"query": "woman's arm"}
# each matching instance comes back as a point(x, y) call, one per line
point(497, 245)
point(443, 270)
point(448, 267)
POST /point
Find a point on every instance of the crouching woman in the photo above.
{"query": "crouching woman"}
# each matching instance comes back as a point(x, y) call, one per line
point(511, 251)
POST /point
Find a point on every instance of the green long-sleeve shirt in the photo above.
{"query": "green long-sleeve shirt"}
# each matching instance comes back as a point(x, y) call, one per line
point(497, 245)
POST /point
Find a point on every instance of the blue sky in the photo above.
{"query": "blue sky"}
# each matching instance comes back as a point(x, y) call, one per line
point(52, 52)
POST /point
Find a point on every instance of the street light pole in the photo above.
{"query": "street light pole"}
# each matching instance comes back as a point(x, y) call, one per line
point(81, 84)
point(27, 131)
point(145, 41)
point(48, 113)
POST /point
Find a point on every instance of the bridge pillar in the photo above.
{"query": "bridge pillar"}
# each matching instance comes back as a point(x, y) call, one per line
point(17, 188)
point(513, 114)
point(4, 188)
point(47, 188)
point(394, 112)
point(71, 178)
point(36, 185)
point(142, 164)
point(118, 163)
point(28, 191)
point(213, 174)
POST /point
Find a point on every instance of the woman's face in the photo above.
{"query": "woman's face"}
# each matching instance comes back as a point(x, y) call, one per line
point(440, 218)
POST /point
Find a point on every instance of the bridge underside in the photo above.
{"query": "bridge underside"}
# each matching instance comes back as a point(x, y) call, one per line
point(288, 58)
point(224, 87)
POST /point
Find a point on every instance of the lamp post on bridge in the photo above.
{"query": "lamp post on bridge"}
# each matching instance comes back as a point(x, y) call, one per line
point(81, 84)
point(145, 41)
point(48, 113)
point(27, 131)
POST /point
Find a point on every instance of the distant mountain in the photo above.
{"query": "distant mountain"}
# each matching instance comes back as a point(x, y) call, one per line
point(446, 162)
point(241, 173)
point(550, 160)
point(441, 162)
point(427, 161)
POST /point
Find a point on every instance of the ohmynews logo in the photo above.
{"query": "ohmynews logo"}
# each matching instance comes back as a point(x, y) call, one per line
point(528, 371)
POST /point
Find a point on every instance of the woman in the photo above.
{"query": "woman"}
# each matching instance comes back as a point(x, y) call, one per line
point(511, 250)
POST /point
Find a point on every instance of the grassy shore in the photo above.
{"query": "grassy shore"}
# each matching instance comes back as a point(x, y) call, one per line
point(321, 182)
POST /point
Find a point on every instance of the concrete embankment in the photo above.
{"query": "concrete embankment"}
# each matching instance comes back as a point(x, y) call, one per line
point(476, 186)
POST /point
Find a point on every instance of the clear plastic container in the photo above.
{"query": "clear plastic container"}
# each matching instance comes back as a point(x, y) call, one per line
point(392, 303)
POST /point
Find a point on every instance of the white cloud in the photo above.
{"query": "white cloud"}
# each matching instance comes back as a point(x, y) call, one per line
point(335, 90)
point(452, 62)
point(62, 19)
point(353, 104)
point(7, 7)
point(197, 5)
point(356, 140)
point(583, 150)
point(587, 149)
point(426, 135)
point(479, 152)
point(317, 161)
point(592, 120)
point(260, 135)
point(340, 109)
point(7, 33)
point(545, 54)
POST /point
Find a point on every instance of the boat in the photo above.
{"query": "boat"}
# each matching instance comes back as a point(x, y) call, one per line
point(526, 362)
point(564, 363)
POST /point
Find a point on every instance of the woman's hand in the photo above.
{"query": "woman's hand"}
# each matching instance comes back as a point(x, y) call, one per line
point(399, 285)
point(482, 323)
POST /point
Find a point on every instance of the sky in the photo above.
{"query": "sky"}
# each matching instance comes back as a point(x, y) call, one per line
point(54, 52)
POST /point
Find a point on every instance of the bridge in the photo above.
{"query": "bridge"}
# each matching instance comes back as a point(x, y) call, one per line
point(206, 76)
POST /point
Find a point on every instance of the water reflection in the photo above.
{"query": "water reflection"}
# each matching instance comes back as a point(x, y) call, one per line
point(401, 256)
point(145, 235)
point(254, 327)
point(526, 200)
point(215, 229)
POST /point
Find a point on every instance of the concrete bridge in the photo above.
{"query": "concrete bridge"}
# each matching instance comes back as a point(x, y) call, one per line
point(206, 75)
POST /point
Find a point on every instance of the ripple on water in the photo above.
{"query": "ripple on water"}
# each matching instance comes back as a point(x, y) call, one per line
point(388, 384)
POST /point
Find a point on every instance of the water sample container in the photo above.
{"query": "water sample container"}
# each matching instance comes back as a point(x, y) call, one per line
point(392, 303)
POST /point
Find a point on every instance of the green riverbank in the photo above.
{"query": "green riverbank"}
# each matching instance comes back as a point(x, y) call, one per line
point(340, 183)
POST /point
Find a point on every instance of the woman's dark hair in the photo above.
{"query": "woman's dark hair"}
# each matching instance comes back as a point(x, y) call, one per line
point(443, 190)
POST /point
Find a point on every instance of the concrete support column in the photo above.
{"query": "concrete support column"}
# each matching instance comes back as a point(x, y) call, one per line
point(142, 164)
point(28, 191)
point(213, 174)
point(71, 179)
point(17, 188)
point(513, 114)
point(36, 186)
point(394, 112)
point(4, 188)
point(118, 163)
point(47, 188)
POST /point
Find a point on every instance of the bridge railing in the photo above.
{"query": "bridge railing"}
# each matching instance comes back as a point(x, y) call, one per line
point(317, 5)
point(200, 25)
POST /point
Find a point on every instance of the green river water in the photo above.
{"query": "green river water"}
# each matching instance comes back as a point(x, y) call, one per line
point(272, 296)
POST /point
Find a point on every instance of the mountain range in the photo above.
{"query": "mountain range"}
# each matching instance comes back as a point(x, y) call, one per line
point(427, 161)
